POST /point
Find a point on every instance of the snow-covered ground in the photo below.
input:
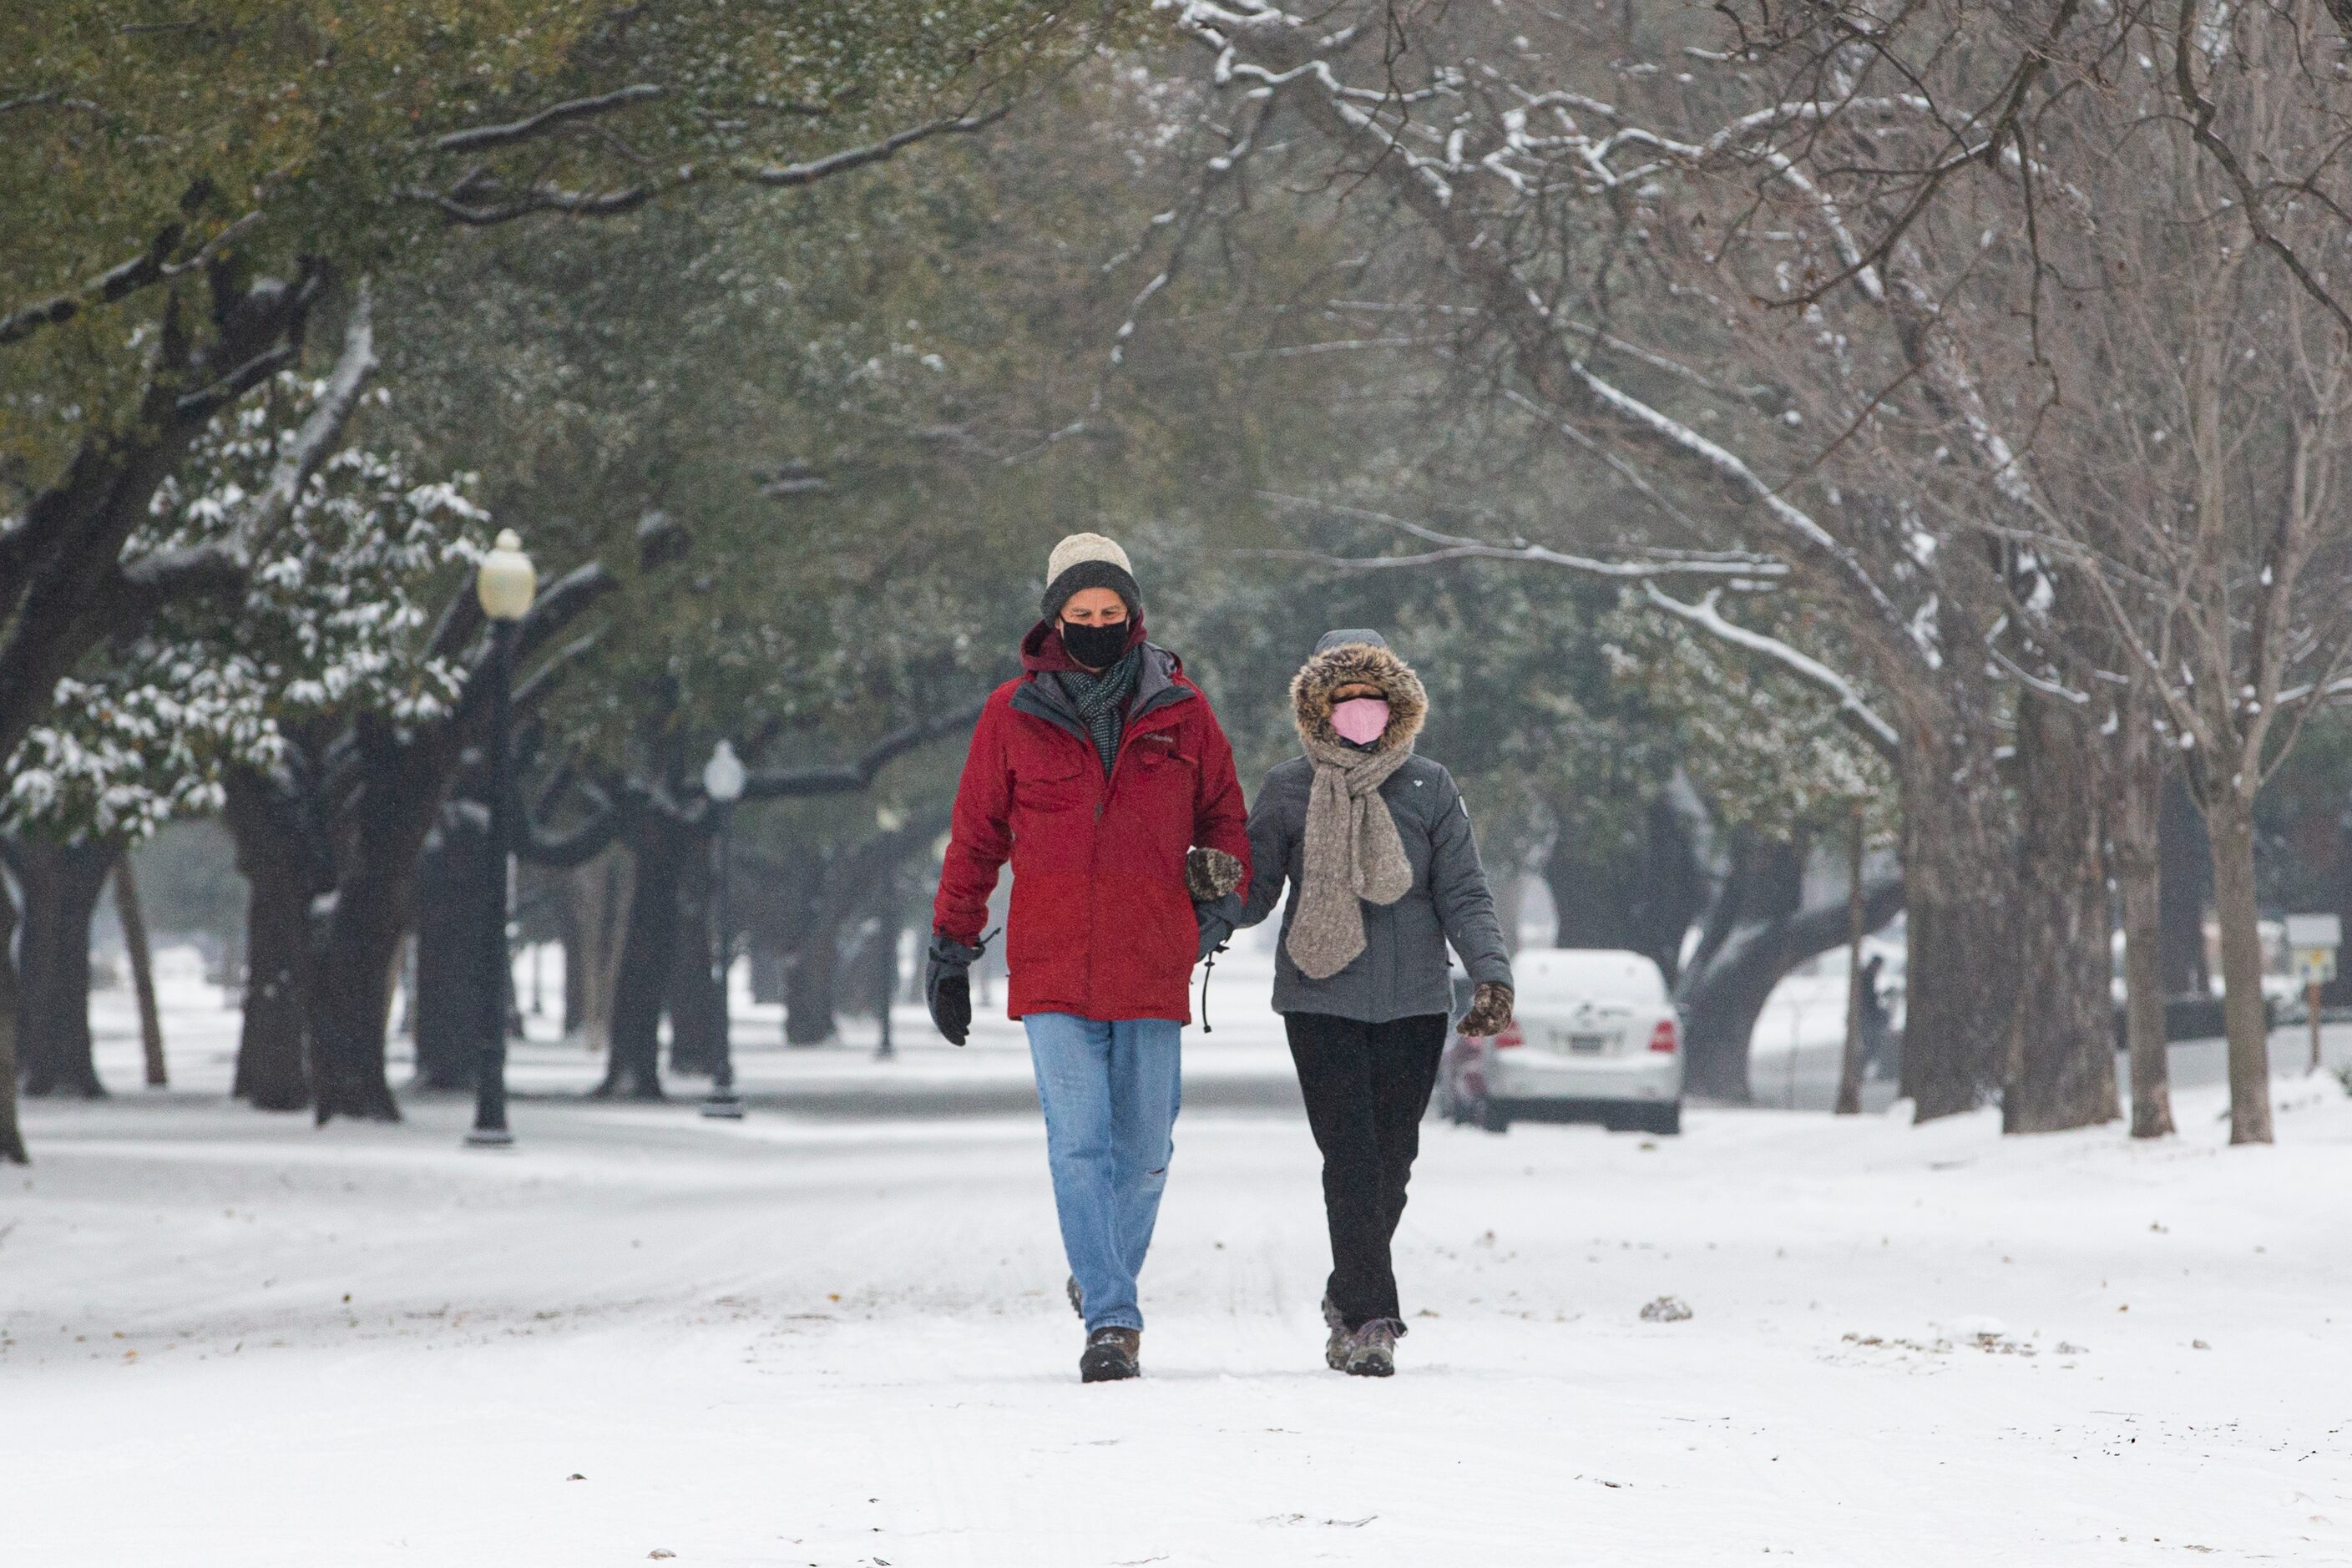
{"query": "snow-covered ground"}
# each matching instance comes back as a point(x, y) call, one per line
point(834, 1338)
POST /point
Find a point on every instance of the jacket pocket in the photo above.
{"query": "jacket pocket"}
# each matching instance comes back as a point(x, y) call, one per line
point(1419, 939)
point(1165, 782)
point(1050, 784)
point(1167, 935)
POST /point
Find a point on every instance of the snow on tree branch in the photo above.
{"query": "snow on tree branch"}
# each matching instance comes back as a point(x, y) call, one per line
point(1737, 565)
point(331, 409)
point(1858, 714)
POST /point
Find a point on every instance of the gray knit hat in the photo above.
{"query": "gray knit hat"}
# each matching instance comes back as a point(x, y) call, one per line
point(1088, 560)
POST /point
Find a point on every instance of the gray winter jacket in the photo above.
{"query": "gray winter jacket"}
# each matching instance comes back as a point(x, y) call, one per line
point(1402, 971)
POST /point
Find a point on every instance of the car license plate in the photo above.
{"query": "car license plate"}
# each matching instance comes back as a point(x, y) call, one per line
point(1580, 1043)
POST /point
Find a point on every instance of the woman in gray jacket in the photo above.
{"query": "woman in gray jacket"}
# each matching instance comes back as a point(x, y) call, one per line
point(1376, 847)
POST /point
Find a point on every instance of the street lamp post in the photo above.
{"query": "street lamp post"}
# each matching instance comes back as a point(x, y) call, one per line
point(505, 585)
point(723, 779)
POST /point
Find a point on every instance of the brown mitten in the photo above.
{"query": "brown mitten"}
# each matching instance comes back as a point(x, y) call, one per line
point(1490, 1010)
point(1210, 874)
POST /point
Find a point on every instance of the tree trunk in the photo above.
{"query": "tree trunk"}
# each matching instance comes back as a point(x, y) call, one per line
point(573, 942)
point(2229, 822)
point(1592, 882)
point(11, 1135)
point(1510, 891)
point(1959, 870)
point(2184, 886)
point(62, 883)
point(404, 778)
point(374, 895)
point(1640, 896)
point(457, 1003)
point(695, 1017)
point(1743, 951)
point(2061, 1068)
point(1674, 884)
point(353, 999)
point(2133, 837)
point(602, 892)
point(889, 922)
point(1848, 1092)
point(648, 947)
point(767, 975)
point(1728, 982)
point(281, 877)
point(143, 972)
point(808, 974)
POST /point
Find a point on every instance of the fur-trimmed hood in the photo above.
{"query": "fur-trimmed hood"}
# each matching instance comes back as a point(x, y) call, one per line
point(1345, 658)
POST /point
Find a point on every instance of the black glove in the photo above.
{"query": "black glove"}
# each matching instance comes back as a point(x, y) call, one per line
point(947, 985)
point(1215, 927)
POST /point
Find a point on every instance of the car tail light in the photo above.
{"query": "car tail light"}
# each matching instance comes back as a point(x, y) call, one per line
point(1662, 1038)
point(1510, 1035)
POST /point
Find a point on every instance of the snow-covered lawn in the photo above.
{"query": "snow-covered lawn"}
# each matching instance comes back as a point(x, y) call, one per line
point(228, 1338)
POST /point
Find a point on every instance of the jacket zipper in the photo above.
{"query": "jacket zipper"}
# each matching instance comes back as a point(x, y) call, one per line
point(1110, 780)
point(1093, 847)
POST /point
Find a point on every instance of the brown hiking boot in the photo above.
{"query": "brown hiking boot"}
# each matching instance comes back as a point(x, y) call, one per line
point(1112, 1355)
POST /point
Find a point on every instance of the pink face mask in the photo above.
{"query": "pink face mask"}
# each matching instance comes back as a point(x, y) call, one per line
point(1362, 719)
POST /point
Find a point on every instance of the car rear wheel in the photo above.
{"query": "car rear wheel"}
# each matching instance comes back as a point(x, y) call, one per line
point(1666, 1120)
point(1492, 1118)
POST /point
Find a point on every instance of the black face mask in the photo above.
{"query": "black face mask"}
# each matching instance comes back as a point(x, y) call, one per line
point(1097, 647)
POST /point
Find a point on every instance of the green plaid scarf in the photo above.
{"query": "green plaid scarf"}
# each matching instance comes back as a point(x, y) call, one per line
point(1101, 702)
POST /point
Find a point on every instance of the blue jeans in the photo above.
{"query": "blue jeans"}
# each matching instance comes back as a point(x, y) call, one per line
point(1111, 1091)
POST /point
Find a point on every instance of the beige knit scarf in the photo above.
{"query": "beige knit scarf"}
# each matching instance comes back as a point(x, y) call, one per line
point(1351, 854)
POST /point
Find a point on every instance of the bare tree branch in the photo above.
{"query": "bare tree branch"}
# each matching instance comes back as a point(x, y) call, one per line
point(539, 199)
point(890, 146)
point(837, 778)
point(553, 118)
point(1462, 547)
point(114, 283)
point(2202, 111)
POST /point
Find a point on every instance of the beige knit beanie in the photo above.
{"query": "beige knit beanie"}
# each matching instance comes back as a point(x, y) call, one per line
point(1088, 560)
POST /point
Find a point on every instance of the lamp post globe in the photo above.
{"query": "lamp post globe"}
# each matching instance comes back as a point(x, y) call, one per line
point(723, 775)
point(723, 778)
point(505, 583)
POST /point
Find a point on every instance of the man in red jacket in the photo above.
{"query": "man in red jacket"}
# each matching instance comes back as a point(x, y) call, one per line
point(1102, 775)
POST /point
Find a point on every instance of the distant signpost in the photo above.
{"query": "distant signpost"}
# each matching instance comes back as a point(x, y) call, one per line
point(2313, 940)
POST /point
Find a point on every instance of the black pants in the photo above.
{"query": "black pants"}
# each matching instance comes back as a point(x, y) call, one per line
point(1366, 1086)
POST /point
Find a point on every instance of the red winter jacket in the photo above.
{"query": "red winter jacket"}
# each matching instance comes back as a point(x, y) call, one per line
point(1101, 923)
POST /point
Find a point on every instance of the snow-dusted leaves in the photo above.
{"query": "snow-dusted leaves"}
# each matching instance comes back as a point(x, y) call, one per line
point(1766, 750)
point(331, 621)
point(122, 759)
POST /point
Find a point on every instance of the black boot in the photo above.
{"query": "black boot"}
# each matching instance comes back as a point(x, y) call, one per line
point(1112, 1355)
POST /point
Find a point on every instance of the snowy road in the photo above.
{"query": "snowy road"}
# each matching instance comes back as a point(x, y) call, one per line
point(228, 1338)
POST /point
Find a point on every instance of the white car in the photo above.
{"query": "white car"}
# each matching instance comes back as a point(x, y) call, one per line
point(1595, 1039)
